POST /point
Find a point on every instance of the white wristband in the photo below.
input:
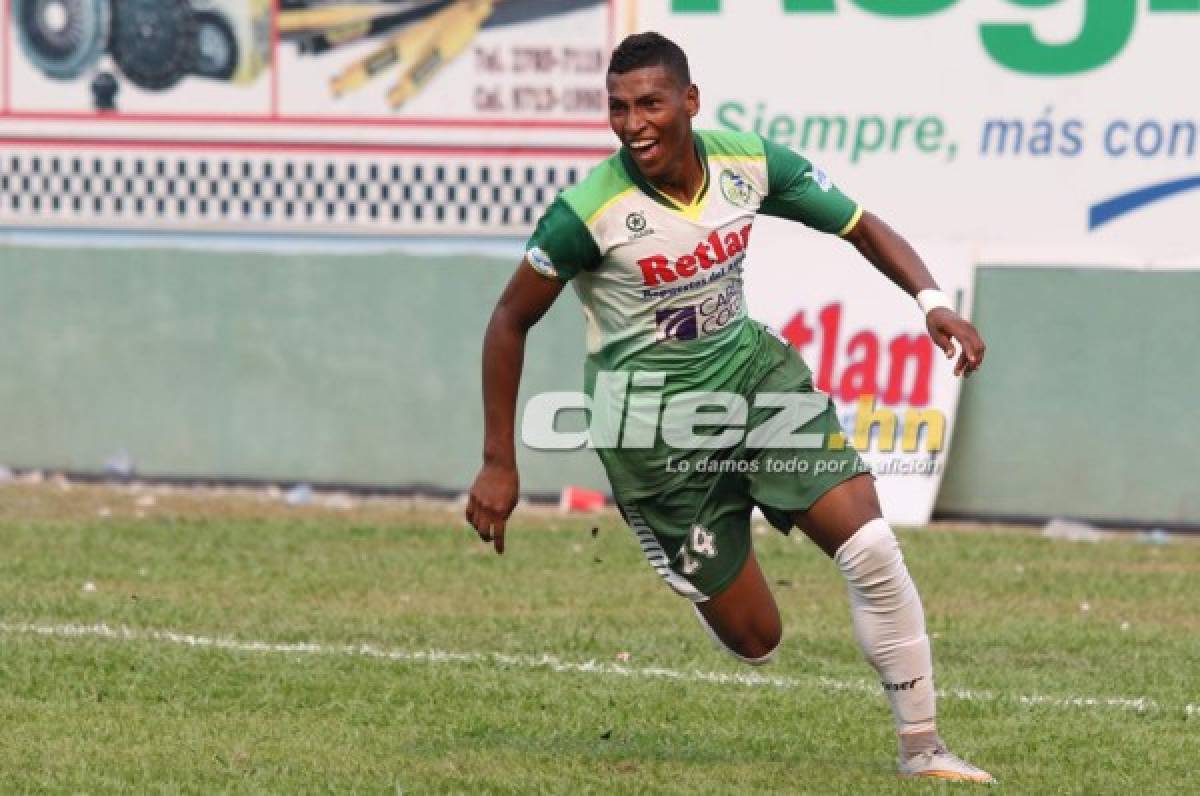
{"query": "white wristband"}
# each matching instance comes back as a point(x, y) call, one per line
point(930, 300)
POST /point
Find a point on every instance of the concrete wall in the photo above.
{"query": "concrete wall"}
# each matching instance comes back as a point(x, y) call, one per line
point(1088, 404)
point(365, 369)
point(360, 368)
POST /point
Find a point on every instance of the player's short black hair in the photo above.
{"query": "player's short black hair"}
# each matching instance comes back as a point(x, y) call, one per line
point(641, 50)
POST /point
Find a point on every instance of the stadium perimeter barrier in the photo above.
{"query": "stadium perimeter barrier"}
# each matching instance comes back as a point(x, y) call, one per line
point(364, 369)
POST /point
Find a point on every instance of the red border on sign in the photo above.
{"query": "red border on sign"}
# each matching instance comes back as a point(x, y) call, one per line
point(304, 146)
point(295, 121)
point(274, 116)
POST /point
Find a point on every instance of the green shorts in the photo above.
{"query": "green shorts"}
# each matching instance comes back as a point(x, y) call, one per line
point(696, 533)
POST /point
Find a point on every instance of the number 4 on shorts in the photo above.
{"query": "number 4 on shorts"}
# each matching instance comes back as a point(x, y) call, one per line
point(703, 543)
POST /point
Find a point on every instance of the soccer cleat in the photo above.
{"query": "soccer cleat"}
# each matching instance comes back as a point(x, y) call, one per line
point(941, 764)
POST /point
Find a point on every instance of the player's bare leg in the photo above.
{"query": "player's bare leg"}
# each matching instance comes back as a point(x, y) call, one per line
point(744, 617)
point(889, 621)
point(839, 513)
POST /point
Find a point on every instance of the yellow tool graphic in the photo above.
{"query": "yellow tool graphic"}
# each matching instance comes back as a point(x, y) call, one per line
point(334, 16)
point(459, 26)
point(403, 46)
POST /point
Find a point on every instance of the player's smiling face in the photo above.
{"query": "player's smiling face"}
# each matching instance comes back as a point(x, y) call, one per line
point(652, 115)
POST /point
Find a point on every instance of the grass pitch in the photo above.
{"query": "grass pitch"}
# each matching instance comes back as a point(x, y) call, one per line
point(380, 648)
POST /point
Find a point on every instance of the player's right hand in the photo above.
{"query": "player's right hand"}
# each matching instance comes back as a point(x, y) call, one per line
point(491, 500)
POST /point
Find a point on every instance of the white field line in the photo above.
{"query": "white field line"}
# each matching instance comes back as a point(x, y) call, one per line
point(556, 664)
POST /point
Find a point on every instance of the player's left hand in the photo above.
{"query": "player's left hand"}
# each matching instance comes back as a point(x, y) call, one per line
point(946, 328)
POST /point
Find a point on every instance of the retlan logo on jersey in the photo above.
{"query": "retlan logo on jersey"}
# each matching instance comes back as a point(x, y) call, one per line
point(716, 249)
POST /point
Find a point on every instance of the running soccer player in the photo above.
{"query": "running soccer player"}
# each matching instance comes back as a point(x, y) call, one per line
point(653, 241)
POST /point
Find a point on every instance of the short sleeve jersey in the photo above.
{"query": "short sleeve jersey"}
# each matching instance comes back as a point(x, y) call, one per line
point(659, 277)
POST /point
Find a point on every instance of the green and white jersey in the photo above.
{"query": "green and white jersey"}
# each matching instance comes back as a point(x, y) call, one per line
point(661, 282)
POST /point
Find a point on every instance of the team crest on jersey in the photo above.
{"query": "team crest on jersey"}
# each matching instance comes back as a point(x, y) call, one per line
point(735, 189)
point(635, 222)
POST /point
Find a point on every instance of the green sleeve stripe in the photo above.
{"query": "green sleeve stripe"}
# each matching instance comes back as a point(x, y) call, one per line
point(602, 209)
point(729, 143)
point(598, 189)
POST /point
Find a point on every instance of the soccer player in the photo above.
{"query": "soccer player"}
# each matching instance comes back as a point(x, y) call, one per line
point(653, 241)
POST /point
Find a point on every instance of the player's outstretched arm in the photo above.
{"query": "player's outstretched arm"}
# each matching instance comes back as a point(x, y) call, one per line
point(897, 260)
point(493, 496)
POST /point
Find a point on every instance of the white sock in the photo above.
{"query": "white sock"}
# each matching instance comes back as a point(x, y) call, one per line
point(889, 624)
